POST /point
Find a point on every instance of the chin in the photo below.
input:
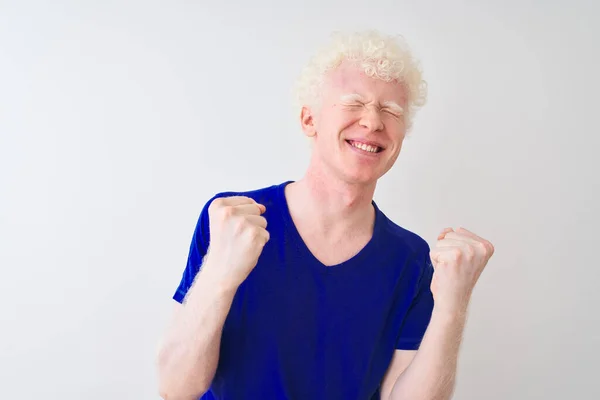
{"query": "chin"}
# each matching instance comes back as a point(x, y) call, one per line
point(362, 178)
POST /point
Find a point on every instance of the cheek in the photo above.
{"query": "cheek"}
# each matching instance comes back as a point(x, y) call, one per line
point(396, 129)
point(334, 123)
point(346, 119)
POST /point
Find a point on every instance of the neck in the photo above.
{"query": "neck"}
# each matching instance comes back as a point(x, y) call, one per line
point(331, 205)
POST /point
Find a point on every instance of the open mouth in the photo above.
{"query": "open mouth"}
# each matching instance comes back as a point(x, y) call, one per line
point(365, 147)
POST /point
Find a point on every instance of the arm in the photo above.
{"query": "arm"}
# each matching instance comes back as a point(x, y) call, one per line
point(432, 372)
point(189, 354)
point(400, 361)
point(459, 259)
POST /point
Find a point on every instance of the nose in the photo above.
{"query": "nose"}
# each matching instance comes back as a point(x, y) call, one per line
point(371, 120)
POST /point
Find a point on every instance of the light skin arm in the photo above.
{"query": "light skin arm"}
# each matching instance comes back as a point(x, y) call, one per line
point(400, 361)
point(430, 373)
point(189, 353)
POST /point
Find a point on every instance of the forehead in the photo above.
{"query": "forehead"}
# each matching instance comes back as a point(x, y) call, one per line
point(348, 78)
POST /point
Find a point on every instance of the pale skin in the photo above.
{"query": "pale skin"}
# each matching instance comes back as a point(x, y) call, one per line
point(331, 206)
point(189, 352)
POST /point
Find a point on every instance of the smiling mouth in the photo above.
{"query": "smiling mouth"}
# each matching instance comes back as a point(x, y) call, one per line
point(365, 147)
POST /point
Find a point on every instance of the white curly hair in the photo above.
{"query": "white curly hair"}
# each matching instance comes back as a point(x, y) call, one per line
point(386, 57)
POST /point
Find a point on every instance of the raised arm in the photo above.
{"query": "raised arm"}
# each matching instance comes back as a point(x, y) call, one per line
point(189, 353)
point(459, 259)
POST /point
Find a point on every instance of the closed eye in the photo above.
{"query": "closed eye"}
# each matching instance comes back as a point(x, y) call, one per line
point(354, 105)
point(395, 114)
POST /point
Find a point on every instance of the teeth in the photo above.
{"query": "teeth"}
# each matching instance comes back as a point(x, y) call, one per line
point(365, 147)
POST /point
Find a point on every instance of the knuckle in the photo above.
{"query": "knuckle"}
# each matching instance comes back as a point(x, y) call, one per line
point(470, 253)
point(490, 248)
point(216, 203)
point(253, 232)
point(227, 212)
point(239, 225)
point(456, 254)
point(483, 247)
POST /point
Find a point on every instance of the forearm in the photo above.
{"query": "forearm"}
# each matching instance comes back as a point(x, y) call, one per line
point(431, 374)
point(189, 355)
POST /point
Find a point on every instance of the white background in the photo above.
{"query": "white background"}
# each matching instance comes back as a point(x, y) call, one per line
point(118, 120)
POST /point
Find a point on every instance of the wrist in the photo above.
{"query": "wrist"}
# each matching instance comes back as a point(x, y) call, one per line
point(450, 314)
point(215, 279)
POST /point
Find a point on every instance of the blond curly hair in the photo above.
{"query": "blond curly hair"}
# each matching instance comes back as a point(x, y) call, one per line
point(386, 57)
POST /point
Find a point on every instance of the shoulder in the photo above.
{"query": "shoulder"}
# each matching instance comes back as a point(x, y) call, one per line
point(406, 243)
point(265, 195)
point(403, 237)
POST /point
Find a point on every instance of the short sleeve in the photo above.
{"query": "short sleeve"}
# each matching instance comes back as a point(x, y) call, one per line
point(419, 313)
point(197, 251)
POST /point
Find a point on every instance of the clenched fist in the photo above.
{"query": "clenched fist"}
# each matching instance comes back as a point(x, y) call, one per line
point(458, 258)
point(237, 236)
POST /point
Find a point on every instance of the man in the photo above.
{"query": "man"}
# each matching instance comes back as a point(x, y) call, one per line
point(306, 290)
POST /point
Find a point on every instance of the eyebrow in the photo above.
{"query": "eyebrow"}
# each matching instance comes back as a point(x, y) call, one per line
point(353, 97)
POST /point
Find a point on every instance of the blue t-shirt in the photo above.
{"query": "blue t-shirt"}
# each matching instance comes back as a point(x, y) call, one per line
point(298, 329)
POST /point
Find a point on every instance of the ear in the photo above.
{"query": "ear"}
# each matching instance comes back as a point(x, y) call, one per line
point(307, 120)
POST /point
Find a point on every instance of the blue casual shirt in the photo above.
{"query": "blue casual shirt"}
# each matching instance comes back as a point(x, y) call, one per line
point(298, 329)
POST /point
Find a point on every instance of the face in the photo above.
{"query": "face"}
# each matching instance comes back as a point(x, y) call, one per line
point(359, 128)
